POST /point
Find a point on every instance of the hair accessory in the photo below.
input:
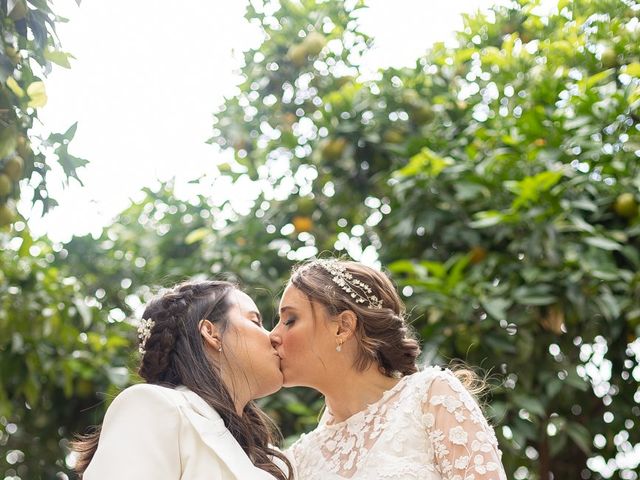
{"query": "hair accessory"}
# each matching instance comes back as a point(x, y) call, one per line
point(343, 278)
point(144, 332)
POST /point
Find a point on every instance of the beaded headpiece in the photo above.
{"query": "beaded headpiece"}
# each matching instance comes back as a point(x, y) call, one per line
point(356, 289)
point(144, 332)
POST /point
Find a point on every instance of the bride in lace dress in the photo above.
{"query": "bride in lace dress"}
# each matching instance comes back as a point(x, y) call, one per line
point(342, 331)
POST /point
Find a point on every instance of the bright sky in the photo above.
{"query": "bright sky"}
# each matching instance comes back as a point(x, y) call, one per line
point(148, 76)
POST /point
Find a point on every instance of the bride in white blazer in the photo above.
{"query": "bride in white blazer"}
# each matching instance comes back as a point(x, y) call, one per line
point(205, 357)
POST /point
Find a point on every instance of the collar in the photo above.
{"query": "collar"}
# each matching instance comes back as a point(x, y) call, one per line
point(215, 435)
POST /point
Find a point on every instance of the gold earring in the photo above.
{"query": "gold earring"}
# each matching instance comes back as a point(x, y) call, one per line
point(339, 347)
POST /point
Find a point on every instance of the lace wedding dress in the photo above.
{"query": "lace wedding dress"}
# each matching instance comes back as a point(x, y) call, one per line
point(426, 427)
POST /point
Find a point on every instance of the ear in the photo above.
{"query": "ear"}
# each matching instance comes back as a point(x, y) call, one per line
point(346, 324)
point(210, 334)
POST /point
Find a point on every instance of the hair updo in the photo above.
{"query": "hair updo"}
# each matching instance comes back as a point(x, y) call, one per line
point(174, 346)
point(382, 334)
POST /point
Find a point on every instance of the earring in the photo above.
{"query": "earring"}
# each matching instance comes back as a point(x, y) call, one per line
point(339, 347)
point(220, 349)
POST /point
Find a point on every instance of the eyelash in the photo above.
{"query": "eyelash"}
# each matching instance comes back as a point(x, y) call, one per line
point(289, 321)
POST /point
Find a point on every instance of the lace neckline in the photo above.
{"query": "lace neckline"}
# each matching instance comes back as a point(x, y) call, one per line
point(356, 417)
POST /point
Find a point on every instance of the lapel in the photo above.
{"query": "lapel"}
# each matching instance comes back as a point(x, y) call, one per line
point(215, 435)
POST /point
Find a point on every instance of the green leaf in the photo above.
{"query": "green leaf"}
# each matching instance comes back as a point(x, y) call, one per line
point(534, 295)
point(37, 95)
point(299, 408)
point(593, 80)
point(402, 267)
point(486, 219)
point(532, 405)
point(530, 188)
point(14, 87)
point(581, 436)
point(603, 243)
point(59, 58)
point(563, 3)
point(496, 307)
point(197, 235)
point(426, 162)
point(633, 69)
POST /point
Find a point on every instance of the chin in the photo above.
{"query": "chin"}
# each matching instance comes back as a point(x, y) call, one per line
point(272, 386)
point(290, 382)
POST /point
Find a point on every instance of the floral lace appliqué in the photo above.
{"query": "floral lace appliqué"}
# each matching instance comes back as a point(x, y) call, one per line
point(428, 427)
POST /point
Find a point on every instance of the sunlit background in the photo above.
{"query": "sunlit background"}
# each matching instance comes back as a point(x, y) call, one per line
point(144, 98)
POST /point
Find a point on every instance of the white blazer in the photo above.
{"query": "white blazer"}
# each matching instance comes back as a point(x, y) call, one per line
point(159, 433)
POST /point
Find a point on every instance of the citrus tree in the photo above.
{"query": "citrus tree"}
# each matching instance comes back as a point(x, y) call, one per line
point(499, 182)
point(496, 180)
point(58, 348)
point(29, 48)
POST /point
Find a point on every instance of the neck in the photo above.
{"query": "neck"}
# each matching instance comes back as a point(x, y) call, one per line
point(239, 391)
point(354, 391)
point(240, 404)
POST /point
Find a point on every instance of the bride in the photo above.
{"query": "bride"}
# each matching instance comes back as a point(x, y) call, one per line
point(205, 356)
point(342, 331)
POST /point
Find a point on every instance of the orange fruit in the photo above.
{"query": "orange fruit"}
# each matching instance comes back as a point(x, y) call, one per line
point(334, 148)
point(302, 223)
point(609, 58)
point(7, 215)
point(314, 43)
point(477, 254)
point(626, 205)
point(6, 185)
point(13, 168)
point(297, 54)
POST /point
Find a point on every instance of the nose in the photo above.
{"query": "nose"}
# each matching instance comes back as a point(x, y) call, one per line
point(274, 336)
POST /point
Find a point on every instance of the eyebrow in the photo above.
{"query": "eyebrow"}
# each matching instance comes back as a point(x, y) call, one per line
point(285, 308)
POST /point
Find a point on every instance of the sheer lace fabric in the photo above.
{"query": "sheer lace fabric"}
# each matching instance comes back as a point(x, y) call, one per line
point(427, 427)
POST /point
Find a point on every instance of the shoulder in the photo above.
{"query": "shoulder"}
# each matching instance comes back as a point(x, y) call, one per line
point(145, 401)
point(435, 385)
point(432, 375)
point(147, 391)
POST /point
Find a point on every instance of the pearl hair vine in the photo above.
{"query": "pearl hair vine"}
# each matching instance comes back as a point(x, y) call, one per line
point(358, 290)
point(144, 332)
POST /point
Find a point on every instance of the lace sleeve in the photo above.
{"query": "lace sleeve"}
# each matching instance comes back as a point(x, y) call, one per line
point(464, 445)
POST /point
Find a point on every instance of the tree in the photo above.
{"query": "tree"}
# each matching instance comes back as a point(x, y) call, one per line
point(28, 50)
point(498, 180)
point(58, 347)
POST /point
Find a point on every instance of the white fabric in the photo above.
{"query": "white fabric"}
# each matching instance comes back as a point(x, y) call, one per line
point(426, 427)
point(167, 434)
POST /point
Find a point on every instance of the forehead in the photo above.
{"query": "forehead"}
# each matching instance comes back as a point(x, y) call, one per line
point(242, 301)
point(293, 297)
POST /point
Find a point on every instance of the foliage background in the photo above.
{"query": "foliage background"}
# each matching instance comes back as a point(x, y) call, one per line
point(497, 182)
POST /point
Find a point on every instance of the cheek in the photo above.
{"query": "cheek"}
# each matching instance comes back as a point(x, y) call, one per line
point(293, 343)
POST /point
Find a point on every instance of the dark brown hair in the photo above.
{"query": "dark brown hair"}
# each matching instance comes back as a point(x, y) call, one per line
point(175, 355)
point(383, 334)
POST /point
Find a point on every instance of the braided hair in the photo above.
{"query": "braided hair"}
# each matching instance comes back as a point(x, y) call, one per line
point(175, 355)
